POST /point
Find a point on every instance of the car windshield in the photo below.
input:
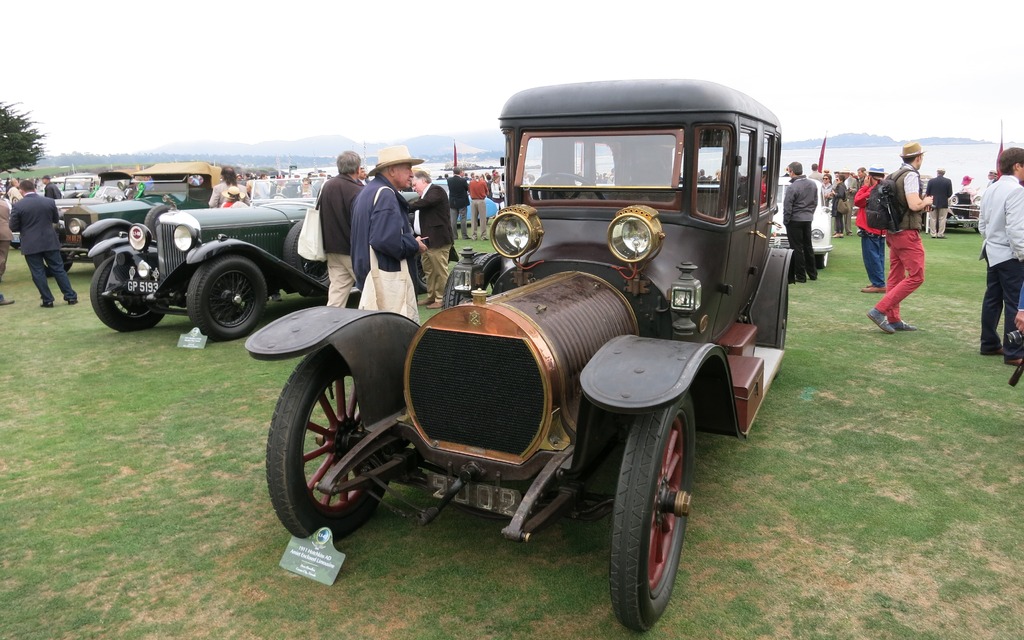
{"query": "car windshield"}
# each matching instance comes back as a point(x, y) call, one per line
point(568, 165)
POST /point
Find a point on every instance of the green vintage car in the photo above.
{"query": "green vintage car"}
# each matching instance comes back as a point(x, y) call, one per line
point(218, 266)
point(154, 191)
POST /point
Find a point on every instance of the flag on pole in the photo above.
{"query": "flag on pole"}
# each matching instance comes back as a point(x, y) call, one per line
point(455, 154)
point(821, 156)
point(998, 174)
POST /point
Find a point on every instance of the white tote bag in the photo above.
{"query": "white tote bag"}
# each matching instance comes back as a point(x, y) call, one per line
point(389, 291)
point(311, 238)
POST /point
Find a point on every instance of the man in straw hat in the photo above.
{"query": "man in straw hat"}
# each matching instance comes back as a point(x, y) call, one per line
point(906, 252)
point(384, 248)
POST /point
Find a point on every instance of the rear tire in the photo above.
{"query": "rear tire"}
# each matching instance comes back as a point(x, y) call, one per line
point(312, 268)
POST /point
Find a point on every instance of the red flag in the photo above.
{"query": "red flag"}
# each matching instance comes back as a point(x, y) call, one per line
point(821, 156)
point(455, 154)
point(998, 174)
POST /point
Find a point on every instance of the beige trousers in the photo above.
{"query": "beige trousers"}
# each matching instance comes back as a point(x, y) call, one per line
point(342, 276)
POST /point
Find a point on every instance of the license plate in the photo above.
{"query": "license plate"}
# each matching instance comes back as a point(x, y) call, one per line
point(142, 286)
point(481, 496)
point(70, 239)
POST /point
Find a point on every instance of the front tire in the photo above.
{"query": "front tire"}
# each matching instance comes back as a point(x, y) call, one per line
point(646, 540)
point(316, 414)
point(117, 315)
point(227, 297)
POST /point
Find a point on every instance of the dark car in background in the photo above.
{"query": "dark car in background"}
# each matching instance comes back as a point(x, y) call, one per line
point(151, 193)
point(217, 266)
point(634, 301)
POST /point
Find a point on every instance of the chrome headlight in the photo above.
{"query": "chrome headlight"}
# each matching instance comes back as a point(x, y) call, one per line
point(75, 226)
point(184, 237)
point(635, 234)
point(138, 236)
point(817, 234)
point(144, 269)
point(516, 231)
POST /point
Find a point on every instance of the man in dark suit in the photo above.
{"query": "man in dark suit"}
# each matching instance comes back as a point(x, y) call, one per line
point(940, 188)
point(432, 224)
point(458, 197)
point(51, 190)
point(36, 217)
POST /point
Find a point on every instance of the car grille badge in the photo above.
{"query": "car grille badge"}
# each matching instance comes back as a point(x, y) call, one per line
point(131, 272)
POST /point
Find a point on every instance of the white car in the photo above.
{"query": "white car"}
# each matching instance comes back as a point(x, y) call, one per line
point(821, 226)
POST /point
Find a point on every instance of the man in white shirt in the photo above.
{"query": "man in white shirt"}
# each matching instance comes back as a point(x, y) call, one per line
point(1001, 224)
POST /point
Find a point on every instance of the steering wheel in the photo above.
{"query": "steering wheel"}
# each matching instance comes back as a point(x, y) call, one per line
point(557, 176)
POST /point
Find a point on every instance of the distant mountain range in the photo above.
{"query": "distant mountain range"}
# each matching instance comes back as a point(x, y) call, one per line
point(318, 151)
point(853, 140)
point(321, 151)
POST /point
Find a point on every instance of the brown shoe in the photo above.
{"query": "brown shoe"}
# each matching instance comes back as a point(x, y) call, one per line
point(425, 303)
point(997, 352)
point(435, 305)
point(873, 290)
point(1014, 363)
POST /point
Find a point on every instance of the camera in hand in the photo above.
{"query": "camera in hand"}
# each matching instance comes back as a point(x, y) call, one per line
point(1015, 337)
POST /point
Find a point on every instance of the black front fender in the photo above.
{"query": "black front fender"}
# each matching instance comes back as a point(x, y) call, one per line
point(632, 375)
point(98, 228)
point(372, 343)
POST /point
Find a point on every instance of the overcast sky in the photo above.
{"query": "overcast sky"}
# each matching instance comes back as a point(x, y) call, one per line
point(119, 78)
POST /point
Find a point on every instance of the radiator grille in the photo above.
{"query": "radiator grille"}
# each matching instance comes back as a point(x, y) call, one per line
point(477, 390)
point(169, 257)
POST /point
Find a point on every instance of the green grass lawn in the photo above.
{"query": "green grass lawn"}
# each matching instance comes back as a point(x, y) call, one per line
point(878, 495)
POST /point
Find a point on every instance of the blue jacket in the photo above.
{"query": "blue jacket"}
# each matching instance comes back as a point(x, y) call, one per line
point(385, 227)
point(34, 216)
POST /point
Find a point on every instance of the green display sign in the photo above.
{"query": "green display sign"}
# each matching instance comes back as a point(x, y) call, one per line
point(314, 557)
point(192, 340)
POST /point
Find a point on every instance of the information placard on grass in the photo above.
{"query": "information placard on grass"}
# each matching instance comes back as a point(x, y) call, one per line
point(314, 557)
point(192, 340)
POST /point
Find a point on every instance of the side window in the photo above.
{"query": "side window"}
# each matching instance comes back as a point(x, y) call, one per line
point(769, 171)
point(743, 173)
point(711, 194)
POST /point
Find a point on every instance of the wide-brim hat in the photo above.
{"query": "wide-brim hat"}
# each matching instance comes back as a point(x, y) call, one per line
point(912, 150)
point(389, 156)
point(234, 193)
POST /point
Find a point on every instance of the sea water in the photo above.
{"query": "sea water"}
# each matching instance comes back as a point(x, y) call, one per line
point(959, 160)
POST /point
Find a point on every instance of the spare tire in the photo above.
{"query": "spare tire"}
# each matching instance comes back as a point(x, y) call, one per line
point(153, 215)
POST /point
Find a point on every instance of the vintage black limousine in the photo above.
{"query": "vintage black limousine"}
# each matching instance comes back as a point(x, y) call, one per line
point(632, 299)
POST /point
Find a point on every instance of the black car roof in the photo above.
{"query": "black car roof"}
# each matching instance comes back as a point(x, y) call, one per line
point(617, 98)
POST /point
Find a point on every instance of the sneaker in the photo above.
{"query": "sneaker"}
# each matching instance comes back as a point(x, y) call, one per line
point(878, 318)
point(899, 325)
point(5, 301)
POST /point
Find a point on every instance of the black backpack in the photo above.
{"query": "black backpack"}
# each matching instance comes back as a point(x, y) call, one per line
point(883, 210)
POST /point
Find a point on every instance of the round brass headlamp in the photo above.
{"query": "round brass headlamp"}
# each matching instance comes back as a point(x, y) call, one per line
point(516, 231)
point(635, 234)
